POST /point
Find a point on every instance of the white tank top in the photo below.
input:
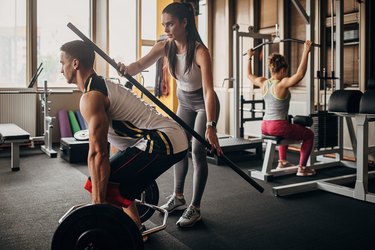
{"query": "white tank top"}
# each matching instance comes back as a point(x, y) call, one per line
point(191, 80)
point(126, 106)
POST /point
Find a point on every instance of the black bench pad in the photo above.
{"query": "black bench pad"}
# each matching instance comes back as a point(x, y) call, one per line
point(345, 101)
point(278, 139)
point(367, 105)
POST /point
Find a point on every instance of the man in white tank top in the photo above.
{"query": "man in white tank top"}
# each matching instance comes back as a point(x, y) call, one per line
point(149, 143)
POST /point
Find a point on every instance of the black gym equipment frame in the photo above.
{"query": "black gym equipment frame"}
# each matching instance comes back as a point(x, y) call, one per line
point(164, 108)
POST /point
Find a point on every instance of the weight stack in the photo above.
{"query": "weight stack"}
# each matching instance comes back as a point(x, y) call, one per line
point(325, 128)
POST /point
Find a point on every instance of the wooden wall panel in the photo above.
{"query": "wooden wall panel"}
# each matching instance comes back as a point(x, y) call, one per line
point(297, 31)
point(268, 9)
point(350, 6)
point(221, 40)
point(351, 65)
point(243, 15)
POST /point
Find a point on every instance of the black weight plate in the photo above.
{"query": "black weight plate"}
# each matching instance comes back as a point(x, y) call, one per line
point(97, 227)
point(151, 197)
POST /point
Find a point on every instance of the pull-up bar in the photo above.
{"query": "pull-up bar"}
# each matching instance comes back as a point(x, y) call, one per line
point(286, 40)
point(290, 40)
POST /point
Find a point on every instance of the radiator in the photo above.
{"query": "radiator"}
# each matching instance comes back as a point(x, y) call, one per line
point(19, 109)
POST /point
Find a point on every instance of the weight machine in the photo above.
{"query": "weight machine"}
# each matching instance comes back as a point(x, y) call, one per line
point(323, 120)
point(47, 119)
point(238, 50)
point(346, 104)
point(236, 144)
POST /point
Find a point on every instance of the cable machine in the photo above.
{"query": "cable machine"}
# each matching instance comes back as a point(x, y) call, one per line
point(238, 76)
point(327, 127)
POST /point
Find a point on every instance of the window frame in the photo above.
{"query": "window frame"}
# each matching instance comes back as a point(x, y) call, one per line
point(32, 30)
point(142, 43)
point(3, 85)
point(32, 45)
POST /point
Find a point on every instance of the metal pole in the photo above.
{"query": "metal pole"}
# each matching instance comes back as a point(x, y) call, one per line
point(236, 74)
point(339, 66)
point(310, 9)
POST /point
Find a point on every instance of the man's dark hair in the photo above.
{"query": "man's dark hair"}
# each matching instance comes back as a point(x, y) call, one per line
point(80, 50)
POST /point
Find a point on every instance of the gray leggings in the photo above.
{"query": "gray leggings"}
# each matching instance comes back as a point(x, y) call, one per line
point(192, 111)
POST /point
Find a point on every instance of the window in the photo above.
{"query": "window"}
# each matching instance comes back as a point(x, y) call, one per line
point(122, 33)
point(148, 76)
point(148, 38)
point(149, 19)
point(203, 21)
point(13, 40)
point(52, 32)
point(123, 43)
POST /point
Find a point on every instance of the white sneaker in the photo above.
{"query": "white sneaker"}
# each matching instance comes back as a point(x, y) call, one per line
point(190, 216)
point(174, 203)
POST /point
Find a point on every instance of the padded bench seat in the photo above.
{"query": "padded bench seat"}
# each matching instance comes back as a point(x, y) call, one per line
point(267, 173)
point(277, 139)
point(11, 133)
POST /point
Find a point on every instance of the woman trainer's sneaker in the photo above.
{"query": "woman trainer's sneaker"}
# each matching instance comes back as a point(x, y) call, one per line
point(190, 216)
point(174, 203)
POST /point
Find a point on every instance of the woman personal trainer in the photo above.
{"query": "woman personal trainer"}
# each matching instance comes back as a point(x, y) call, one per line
point(189, 63)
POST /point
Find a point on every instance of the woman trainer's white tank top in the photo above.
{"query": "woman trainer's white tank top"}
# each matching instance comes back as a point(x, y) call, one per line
point(191, 80)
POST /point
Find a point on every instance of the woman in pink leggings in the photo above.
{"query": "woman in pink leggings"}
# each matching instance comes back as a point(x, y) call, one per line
point(277, 98)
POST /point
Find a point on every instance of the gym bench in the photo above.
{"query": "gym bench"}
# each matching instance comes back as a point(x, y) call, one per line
point(11, 133)
point(267, 173)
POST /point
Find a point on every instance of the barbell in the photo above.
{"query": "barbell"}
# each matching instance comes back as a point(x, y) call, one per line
point(96, 227)
point(105, 226)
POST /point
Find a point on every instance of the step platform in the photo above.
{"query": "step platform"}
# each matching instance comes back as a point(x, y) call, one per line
point(74, 151)
point(237, 149)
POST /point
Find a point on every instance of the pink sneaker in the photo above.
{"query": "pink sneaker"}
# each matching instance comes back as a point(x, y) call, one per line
point(305, 171)
point(284, 164)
